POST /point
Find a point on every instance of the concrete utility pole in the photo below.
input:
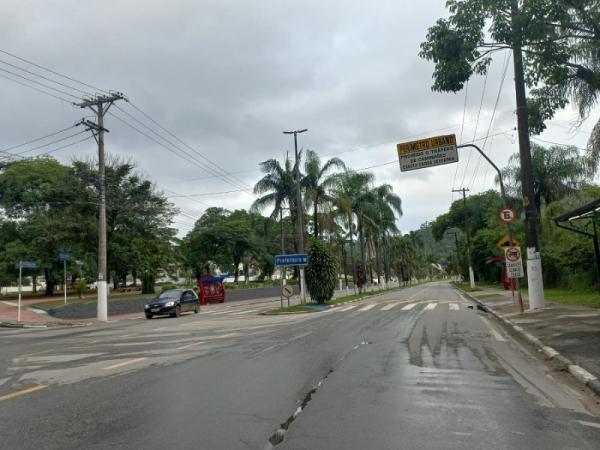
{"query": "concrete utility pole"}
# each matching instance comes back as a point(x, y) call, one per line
point(471, 274)
point(299, 211)
point(535, 282)
point(100, 105)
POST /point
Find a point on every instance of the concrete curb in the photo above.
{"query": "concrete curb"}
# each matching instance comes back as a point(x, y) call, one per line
point(579, 373)
point(21, 325)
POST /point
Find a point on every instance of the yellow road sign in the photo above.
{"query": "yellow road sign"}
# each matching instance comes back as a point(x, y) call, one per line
point(426, 144)
point(505, 242)
point(433, 151)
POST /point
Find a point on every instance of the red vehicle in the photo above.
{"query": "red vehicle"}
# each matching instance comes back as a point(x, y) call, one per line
point(211, 289)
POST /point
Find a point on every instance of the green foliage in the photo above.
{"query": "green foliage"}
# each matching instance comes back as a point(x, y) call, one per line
point(168, 286)
point(321, 272)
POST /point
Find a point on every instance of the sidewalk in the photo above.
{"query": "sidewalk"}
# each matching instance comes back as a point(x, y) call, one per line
point(567, 334)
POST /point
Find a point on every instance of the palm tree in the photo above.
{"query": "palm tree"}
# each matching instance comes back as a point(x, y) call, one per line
point(349, 193)
point(316, 183)
point(277, 185)
point(557, 172)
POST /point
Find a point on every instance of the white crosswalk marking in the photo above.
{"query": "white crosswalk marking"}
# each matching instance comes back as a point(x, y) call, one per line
point(348, 308)
point(409, 307)
point(248, 311)
point(390, 306)
point(454, 307)
point(368, 307)
point(431, 306)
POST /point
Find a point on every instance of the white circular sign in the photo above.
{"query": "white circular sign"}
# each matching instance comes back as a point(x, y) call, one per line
point(287, 290)
point(508, 215)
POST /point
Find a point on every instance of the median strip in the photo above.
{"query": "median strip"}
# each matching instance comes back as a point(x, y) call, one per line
point(124, 363)
point(23, 392)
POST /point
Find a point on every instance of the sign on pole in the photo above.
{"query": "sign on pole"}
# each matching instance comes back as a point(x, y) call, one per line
point(28, 264)
point(64, 256)
point(507, 215)
point(434, 151)
point(297, 259)
point(505, 242)
point(287, 290)
point(514, 262)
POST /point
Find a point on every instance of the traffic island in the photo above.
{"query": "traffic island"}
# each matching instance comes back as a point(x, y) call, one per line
point(567, 335)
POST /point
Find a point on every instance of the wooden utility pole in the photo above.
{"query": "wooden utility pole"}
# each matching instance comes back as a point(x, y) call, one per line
point(100, 105)
point(534, 262)
point(471, 273)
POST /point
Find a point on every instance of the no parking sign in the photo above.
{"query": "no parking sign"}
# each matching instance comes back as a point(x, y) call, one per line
point(514, 262)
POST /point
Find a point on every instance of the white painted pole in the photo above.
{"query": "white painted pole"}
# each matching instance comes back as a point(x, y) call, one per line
point(19, 305)
point(302, 287)
point(65, 285)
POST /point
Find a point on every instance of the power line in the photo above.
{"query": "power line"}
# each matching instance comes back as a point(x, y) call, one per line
point(505, 63)
point(36, 89)
point(217, 168)
point(462, 127)
point(51, 143)
point(462, 183)
point(41, 84)
point(228, 179)
point(38, 139)
point(44, 77)
point(52, 71)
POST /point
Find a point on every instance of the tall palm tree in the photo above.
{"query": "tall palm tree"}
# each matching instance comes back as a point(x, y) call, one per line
point(277, 187)
point(317, 182)
point(557, 172)
point(349, 193)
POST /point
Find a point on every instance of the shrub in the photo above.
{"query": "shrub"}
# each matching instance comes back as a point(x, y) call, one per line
point(167, 286)
point(321, 272)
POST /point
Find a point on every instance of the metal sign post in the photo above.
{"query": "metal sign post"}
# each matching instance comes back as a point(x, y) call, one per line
point(297, 259)
point(19, 304)
point(64, 257)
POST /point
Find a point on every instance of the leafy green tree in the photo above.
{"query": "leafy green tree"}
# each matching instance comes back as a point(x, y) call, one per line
point(321, 271)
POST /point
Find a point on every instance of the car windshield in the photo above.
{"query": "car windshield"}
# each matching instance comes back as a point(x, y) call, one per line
point(169, 295)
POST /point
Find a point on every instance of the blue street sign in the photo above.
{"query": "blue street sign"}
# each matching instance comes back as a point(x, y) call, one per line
point(64, 256)
point(28, 264)
point(298, 259)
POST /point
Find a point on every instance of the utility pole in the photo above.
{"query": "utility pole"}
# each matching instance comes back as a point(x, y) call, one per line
point(535, 280)
point(299, 211)
point(471, 274)
point(100, 105)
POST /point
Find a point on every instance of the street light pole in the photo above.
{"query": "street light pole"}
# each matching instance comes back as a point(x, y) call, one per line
point(299, 211)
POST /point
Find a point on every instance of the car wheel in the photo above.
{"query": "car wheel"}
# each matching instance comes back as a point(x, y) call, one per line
point(148, 316)
point(178, 311)
point(196, 309)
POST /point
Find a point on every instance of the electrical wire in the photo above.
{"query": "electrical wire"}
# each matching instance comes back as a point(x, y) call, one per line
point(60, 91)
point(37, 139)
point(462, 127)
point(37, 89)
point(217, 168)
point(51, 143)
point(39, 66)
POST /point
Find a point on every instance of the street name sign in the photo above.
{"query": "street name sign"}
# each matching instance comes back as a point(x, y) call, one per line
point(64, 256)
point(27, 264)
point(507, 215)
point(287, 291)
point(433, 151)
point(297, 259)
point(514, 262)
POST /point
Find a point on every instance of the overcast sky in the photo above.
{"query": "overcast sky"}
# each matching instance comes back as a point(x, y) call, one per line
point(226, 77)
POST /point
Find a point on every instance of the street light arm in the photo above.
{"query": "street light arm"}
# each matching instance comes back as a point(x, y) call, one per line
point(502, 191)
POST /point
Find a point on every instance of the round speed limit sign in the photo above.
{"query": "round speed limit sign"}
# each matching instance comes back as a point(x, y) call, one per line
point(507, 215)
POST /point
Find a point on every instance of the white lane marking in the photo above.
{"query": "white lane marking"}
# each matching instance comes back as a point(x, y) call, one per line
point(431, 306)
point(264, 350)
point(390, 306)
point(409, 307)
point(348, 308)
point(183, 347)
point(454, 307)
point(589, 424)
point(124, 363)
point(366, 308)
point(493, 332)
point(244, 312)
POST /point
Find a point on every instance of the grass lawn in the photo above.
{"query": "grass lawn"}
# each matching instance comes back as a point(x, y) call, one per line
point(591, 299)
point(61, 301)
point(465, 286)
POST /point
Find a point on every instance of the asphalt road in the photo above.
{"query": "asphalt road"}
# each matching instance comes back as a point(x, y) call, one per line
point(131, 305)
point(416, 368)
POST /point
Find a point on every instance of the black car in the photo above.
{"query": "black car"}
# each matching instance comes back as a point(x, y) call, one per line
point(172, 302)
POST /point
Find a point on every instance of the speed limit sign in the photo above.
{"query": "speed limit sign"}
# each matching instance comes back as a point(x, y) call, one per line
point(507, 215)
